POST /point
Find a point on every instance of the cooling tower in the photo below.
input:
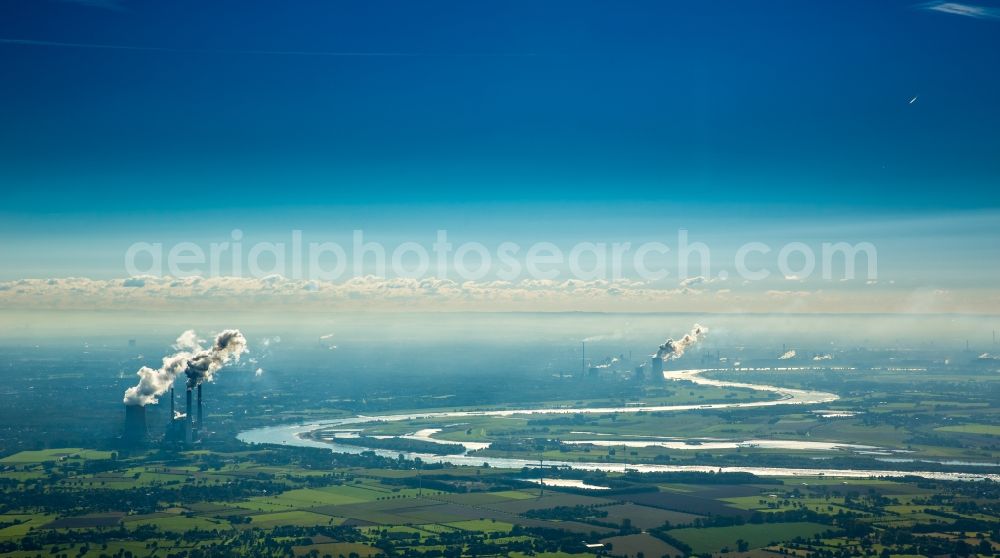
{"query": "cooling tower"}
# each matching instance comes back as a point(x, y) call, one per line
point(656, 364)
point(135, 424)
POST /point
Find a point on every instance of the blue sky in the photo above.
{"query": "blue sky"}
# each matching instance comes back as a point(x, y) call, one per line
point(123, 121)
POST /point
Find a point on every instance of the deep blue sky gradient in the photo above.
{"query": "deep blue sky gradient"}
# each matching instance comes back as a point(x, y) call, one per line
point(710, 104)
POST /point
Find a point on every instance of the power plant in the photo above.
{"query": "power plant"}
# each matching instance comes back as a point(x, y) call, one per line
point(670, 349)
point(198, 365)
point(183, 428)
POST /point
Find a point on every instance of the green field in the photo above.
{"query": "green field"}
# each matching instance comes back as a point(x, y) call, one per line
point(277, 501)
point(714, 539)
point(44, 456)
point(297, 518)
point(988, 429)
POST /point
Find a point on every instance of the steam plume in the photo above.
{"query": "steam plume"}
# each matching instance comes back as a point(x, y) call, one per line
point(607, 362)
point(788, 355)
point(195, 362)
point(671, 349)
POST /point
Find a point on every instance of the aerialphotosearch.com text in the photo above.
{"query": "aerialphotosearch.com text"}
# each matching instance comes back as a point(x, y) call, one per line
point(684, 258)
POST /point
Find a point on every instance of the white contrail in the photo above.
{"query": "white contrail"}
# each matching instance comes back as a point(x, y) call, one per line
point(967, 10)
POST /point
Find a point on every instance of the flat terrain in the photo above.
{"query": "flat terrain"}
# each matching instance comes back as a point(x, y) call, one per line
point(275, 501)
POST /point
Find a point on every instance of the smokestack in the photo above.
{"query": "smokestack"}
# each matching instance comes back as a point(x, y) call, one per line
point(583, 358)
point(135, 424)
point(671, 349)
point(171, 403)
point(188, 434)
point(198, 364)
point(200, 423)
point(656, 364)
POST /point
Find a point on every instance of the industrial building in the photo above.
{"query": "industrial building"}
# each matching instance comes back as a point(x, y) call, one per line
point(184, 428)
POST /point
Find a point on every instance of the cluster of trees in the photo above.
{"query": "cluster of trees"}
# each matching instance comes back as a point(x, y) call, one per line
point(906, 542)
point(77, 501)
point(696, 477)
point(404, 444)
point(449, 544)
point(567, 513)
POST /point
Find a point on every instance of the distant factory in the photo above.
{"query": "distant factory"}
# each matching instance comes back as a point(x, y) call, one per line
point(183, 428)
point(192, 361)
point(623, 368)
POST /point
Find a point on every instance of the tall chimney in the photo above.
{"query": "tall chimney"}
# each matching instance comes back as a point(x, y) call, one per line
point(171, 403)
point(200, 423)
point(188, 434)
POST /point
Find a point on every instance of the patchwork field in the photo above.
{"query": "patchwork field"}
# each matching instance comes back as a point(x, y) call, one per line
point(715, 539)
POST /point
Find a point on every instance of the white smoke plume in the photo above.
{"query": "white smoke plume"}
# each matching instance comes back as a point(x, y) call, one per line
point(788, 355)
point(263, 352)
point(826, 356)
point(188, 341)
point(615, 336)
point(607, 362)
point(326, 341)
point(197, 363)
point(671, 349)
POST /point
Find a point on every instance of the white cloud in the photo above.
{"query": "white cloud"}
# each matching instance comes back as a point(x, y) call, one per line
point(134, 282)
point(967, 10)
point(693, 281)
point(403, 294)
point(788, 294)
